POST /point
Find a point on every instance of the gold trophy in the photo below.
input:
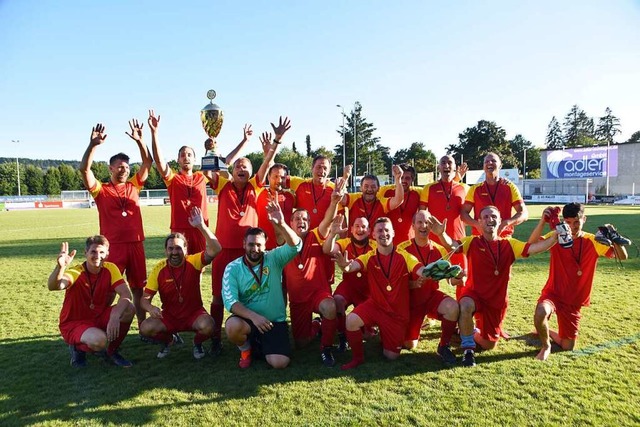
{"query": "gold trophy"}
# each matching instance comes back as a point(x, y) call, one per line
point(212, 117)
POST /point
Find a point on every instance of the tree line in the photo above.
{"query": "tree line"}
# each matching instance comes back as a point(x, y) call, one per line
point(50, 177)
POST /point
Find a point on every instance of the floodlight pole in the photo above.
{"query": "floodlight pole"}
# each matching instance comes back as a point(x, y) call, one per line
point(344, 156)
point(17, 141)
point(355, 147)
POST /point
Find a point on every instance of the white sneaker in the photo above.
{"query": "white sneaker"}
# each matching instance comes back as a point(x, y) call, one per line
point(164, 352)
point(198, 351)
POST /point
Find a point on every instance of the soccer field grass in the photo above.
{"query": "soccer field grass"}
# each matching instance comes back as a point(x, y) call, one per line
point(598, 384)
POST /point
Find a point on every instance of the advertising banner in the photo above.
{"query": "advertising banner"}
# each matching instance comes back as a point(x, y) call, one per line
point(588, 162)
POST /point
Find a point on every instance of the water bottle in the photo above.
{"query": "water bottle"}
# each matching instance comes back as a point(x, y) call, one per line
point(564, 235)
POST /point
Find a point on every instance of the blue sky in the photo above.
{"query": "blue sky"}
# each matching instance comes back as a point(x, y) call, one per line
point(423, 71)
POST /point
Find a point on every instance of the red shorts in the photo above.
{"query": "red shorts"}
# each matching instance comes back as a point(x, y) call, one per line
point(488, 319)
point(195, 240)
point(392, 328)
point(131, 261)
point(220, 262)
point(418, 312)
point(568, 316)
point(72, 331)
point(352, 293)
point(182, 324)
point(302, 312)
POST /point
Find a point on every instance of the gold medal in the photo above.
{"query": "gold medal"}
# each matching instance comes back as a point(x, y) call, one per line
point(124, 213)
point(180, 299)
point(389, 288)
point(496, 272)
point(358, 274)
point(579, 272)
point(399, 219)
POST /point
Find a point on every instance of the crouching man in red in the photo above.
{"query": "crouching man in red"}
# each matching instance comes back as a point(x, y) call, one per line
point(88, 321)
point(177, 279)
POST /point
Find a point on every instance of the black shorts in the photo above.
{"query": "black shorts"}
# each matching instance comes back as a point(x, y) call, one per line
point(274, 341)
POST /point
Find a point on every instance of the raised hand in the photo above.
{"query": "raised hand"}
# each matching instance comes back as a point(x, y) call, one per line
point(462, 170)
point(64, 257)
point(346, 173)
point(195, 217)
point(153, 121)
point(336, 225)
point(247, 132)
point(341, 186)
point(436, 226)
point(342, 260)
point(97, 135)
point(283, 126)
point(136, 130)
point(397, 172)
point(274, 213)
point(267, 143)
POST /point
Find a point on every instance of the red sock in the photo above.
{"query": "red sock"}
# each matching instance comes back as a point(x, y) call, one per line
point(217, 312)
point(342, 320)
point(200, 338)
point(328, 327)
point(357, 349)
point(164, 337)
point(114, 345)
point(448, 328)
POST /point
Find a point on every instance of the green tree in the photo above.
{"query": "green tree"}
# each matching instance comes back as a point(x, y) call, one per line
point(478, 140)
point(323, 151)
point(293, 147)
point(298, 165)
point(372, 157)
point(608, 127)
point(34, 180)
point(307, 142)
point(635, 137)
point(69, 178)
point(52, 182)
point(8, 179)
point(554, 139)
point(256, 159)
point(422, 159)
point(101, 171)
point(578, 129)
point(519, 144)
point(154, 181)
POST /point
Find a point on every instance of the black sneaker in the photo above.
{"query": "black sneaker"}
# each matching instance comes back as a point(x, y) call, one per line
point(177, 339)
point(117, 359)
point(216, 347)
point(327, 357)
point(447, 356)
point(78, 358)
point(469, 358)
point(343, 343)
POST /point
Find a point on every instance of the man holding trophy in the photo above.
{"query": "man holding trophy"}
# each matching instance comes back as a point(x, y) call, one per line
point(187, 188)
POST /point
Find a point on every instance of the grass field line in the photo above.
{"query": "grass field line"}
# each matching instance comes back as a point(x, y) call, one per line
point(606, 346)
point(39, 227)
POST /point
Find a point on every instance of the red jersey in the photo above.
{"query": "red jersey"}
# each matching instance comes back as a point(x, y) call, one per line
point(504, 195)
point(119, 210)
point(236, 210)
point(425, 254)
point(179, 287)
point(571, 270)
point(358, 279)
point(307, 272)
point(313, 198)
point(86, 289)
point(402, 216)
point(186, 191)
point(286, 200)
point(444, 200)
point(358, 208)
point(485, 260)
point(388, 277)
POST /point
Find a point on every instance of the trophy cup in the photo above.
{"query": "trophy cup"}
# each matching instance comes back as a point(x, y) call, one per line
point(212, 117)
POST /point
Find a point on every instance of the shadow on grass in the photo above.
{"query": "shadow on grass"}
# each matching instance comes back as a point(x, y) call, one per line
point(38, 385)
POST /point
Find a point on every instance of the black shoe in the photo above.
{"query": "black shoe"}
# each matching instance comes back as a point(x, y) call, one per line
point(216, 347)
point(117, 359)
point(469, 358)
point(78, 358)
point(343, 343)
point(177, 339)
point(327, 357)
point(444, 351)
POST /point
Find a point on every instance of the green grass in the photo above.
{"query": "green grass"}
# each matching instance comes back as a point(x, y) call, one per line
point(596, 385)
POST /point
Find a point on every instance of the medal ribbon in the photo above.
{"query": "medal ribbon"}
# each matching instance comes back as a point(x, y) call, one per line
point(387, 274)
point(492, 196)
point(92, 285)
point(177, 284)
point(496, 259)
point(257, 278)
point(123, 198)
point(420, 253)
point(313, 190)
